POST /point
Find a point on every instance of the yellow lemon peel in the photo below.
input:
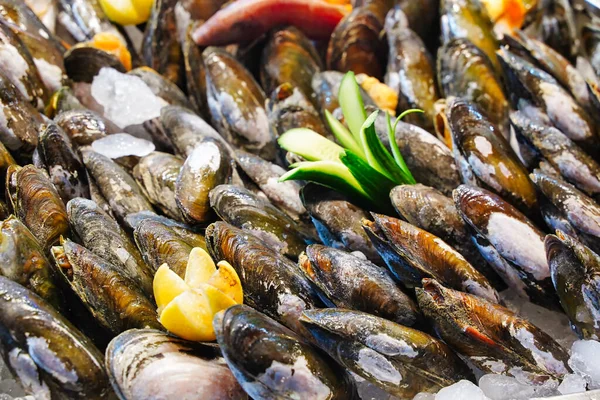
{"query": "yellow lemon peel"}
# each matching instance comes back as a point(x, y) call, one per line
point(127, 12)
point(186, 307)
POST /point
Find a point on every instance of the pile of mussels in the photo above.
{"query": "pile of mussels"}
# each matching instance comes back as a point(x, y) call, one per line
point(506, 154)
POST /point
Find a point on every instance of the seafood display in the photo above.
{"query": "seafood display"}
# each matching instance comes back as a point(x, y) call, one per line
point(299, 199)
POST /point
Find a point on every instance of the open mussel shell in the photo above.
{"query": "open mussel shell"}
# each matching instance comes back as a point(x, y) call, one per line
point(491, 336)
point(140, 361)
point(464, 71)
point(37, 204)
point(20, 120)
point(83, 62)
point(65, 167)
point(355, 283)
point(576, 276)
point(430, 161)
point(499, 223)
point(116, 185)
point(400, 360)
point(47, 354)
point(428, 209)
point(116, 302)
point(160, 244)
point(412, 254)
point(289, 57)
point(355, 44)
point(236, 104)
point(244, 209)
point(337, 220)
point(570, 160)
point(410, 70)
point(272, 283)
point(257, 349)
point(207, 167)
point(23, 261)
point(103, 236)
point(489, 155)
point(581, 211)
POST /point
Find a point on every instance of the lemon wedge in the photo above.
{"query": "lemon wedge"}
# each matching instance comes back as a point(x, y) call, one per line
point(127, 12)
point(186, 307)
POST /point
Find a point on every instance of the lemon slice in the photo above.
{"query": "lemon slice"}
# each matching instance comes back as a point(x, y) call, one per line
point(189, 316)
point(217, 300)
point(227, 281)
point(167, 285)
point(200, 267)
point(127, 12)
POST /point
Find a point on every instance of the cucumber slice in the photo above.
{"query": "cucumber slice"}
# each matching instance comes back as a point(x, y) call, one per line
point(342, 134)
point(352, 104)
point(309, 145)
point(331, 174)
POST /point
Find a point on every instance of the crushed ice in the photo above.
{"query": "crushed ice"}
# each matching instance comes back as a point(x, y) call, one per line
point(126, 99)
point(122, 145)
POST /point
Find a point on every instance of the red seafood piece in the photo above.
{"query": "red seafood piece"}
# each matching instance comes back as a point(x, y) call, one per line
point(245, 20)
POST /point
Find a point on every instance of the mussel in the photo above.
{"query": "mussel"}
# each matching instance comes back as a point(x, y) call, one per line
point(271, 282)
point(272, 362)
point(139, 362)
point(47, 354)
point(400, 360)
point(84, 126)
point(412, 254)
point(491, 336)
point(116, 302)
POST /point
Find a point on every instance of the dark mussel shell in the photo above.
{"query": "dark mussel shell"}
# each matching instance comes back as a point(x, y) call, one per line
point(355, 44)
point(83, 62)
point(161, 86)
point(85, 19)
point(103, 236)
point(272, 283)
point(47, 354)
point(491, 336)
point(258, 349)
point(84, 126)
point(428, 209)
point(207, 167)
point(245, 210)
point(412, 254)
point(468, 19)
point(576, 276)
point(590, 36)
point(490, 156)
point(37, 204)
point(337, 220)
point(289, 57)
point(400, 360)
point(195, 75)
point(64, 165)
point(118, 187)
point(157, 174)
point(160, 244)
point(19, 122)
point(529, 84)
point(558, 28)
point(116, 302)
point(6, 160)
point(410, 70)
point(499, 223)
point(23, 261)
point(570, 160)
point(140, 360)
point(355, 283)
point(464, 71)
point(236, 104)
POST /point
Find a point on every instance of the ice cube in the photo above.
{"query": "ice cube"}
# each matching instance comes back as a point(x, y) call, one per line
point(126, 99)
point(424, 396)
point(461, 390)
point(121, 145)
point(502, 387)
point(572, 383)
point(585, 361)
